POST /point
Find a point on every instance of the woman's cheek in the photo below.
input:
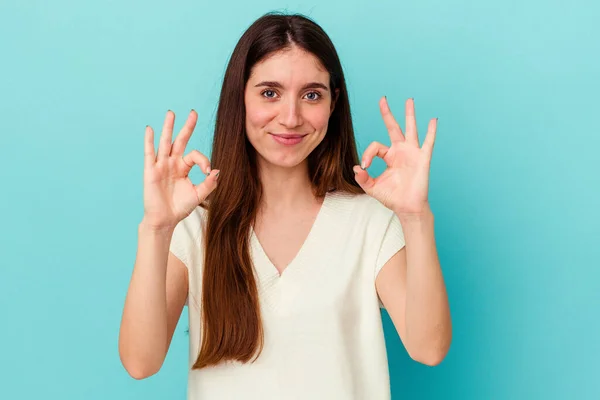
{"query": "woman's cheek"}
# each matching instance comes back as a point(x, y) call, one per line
point(259, 116)
point(320, 118)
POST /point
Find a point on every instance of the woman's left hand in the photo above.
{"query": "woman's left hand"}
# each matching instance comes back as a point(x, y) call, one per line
point(403, 186)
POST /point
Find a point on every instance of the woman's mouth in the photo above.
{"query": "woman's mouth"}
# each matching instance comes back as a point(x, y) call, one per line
point(287, 139)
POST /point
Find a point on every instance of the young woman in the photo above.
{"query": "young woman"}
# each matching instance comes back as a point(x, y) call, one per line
point(287, 250)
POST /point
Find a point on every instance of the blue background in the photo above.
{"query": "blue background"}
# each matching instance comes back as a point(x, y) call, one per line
point(515, 178)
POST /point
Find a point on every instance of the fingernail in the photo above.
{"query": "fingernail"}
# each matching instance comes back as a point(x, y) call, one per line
point(217, 174)
point(362, 165)
point(207, 171)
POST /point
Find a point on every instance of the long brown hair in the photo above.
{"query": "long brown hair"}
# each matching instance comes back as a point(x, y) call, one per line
point(231, 321)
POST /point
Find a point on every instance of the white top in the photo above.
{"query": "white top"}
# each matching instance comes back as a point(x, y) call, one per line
point(322, 320)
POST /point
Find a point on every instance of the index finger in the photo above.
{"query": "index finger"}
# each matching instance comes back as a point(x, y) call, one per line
point(184, 135)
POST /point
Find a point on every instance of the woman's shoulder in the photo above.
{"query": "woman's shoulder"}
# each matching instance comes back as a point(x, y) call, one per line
point(187, 236)
point(360, 203)
point(192, 224)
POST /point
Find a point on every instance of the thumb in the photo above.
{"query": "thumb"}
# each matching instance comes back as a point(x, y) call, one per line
point(205, 188)
point(363, 179)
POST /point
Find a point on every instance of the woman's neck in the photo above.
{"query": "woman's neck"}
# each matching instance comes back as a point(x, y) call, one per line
point(285, 189)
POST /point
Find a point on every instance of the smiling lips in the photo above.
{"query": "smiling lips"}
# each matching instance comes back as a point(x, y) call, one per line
point(288, 139)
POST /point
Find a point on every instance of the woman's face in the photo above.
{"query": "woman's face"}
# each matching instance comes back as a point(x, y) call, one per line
point(288, 104)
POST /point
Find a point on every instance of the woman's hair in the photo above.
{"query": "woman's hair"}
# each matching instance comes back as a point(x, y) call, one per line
point(231, 327)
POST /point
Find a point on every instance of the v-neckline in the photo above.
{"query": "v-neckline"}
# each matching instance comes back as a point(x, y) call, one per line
point(267, 265)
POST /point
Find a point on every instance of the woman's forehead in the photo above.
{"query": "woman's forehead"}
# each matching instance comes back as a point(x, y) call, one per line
point(290, 68)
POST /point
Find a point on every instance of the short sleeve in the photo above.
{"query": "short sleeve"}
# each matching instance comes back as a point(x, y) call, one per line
point(186, 236)
point(185, 244)
point(393, 241)
point(182, 241)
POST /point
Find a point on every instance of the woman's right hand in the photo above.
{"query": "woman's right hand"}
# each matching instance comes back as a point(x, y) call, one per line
point(169, 194)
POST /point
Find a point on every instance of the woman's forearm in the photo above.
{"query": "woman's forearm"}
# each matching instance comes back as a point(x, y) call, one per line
point(143, 333)
point(428, 322)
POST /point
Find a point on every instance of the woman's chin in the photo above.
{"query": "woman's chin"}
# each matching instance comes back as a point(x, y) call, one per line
point(284, 160)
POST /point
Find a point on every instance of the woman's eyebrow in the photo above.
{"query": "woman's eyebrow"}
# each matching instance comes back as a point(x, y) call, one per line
point(312, 85)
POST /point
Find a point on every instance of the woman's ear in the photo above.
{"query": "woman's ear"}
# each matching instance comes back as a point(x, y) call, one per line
point(334, 100)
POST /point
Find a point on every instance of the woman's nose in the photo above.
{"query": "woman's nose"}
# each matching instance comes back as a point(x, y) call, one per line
point(290, 114)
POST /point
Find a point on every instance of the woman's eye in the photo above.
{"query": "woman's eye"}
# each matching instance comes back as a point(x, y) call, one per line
point(269, 93)
point(315, 96)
